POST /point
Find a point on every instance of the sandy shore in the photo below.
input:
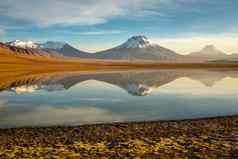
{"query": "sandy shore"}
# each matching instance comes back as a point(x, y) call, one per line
point(202, 138)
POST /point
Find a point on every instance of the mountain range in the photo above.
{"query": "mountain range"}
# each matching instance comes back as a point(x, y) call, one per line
point(51, 47)
point(16, 50)
point(135, 48)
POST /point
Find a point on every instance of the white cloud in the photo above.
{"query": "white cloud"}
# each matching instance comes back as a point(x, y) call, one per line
point(79, 12)
point(66, 12)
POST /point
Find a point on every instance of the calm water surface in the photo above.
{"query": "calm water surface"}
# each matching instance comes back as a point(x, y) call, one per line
point(75, 98)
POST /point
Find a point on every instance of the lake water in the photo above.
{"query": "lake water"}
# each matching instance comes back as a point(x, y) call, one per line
point(35, 99)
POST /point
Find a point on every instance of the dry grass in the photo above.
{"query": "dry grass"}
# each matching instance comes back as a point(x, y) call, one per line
point(10, 62)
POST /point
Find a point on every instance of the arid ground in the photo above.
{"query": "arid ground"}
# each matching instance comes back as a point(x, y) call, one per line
point(10, 63)
point(203, 138)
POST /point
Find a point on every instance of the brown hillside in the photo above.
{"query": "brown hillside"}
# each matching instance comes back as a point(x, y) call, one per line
point(19, 59)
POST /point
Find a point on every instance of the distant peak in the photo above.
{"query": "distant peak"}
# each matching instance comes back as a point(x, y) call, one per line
point(209, 51)
point(209, 47)
point(137, 42)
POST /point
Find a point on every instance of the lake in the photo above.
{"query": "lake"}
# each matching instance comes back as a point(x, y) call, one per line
point(74, 98)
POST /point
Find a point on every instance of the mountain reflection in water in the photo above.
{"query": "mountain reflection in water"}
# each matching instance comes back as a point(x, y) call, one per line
point(72, 98)
point(135, 83)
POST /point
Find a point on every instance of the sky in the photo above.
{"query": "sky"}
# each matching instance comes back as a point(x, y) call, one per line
point(182, 25)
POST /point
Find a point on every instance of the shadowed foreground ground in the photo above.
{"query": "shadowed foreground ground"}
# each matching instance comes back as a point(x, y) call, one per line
point(205, 138)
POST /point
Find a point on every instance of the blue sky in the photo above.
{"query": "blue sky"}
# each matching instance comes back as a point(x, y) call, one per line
point(92, 25)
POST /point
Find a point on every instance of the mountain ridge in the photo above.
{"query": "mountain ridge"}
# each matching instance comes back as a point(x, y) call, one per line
point(54, 48)
point(15, 50)
point(135, 48)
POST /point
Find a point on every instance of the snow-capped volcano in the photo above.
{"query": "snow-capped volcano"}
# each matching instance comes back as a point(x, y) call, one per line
point(138, 48)
point(22, 44)
point(137, 42)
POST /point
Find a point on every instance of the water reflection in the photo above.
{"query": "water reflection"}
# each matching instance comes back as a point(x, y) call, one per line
point(135, 83)
point(39, 99)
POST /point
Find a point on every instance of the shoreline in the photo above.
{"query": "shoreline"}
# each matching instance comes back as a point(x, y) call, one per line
point(189, 138)
point(99, 124)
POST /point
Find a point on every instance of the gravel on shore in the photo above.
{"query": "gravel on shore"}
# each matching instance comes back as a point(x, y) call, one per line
point(201, 138)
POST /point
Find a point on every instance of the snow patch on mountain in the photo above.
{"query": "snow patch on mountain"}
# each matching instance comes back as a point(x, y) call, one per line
point(32, 88)
point(24, 89)
point(137, 42)
point(29, 44)
point(23, 44)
